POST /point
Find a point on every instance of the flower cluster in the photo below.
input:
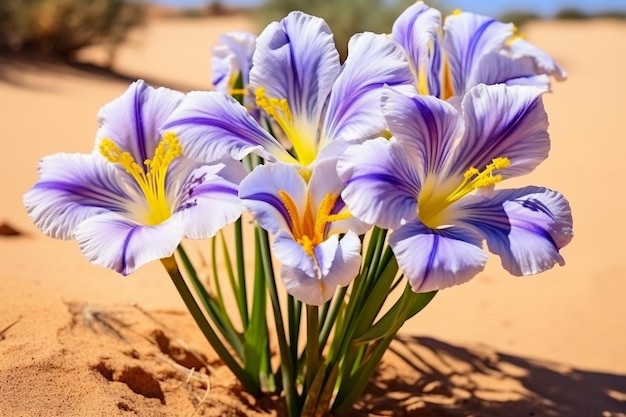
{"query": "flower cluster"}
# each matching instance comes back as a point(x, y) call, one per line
point(412, 134)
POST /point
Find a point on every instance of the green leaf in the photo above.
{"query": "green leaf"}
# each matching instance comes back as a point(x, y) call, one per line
point(313, 393)
point(395, 316)
point(213, 308)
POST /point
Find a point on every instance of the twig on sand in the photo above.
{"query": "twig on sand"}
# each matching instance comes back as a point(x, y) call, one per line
point(191, 376)
point(3, 331)
point(107, 320)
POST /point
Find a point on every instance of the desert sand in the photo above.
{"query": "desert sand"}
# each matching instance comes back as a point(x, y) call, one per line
point(80, 340)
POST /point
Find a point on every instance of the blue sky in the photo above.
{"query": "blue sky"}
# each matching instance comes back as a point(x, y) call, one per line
point(489, 7)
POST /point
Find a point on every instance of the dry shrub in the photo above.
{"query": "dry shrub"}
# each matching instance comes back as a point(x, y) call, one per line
point(62, 27)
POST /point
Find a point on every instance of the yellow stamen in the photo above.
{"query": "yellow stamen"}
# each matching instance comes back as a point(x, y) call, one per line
point(515, 36)
point(432, 205)
point(278, 109)
point(310, 229)
point(151, 179)
point(456, 12)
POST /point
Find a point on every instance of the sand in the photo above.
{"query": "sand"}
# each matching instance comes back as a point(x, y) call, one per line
point(79, 340)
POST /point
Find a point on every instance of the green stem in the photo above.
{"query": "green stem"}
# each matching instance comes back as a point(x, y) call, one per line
point(294, 308)
point(286, 366)
point(241, 295)
point(214, 309)
point(179, 282)
point(329, 320)
point(312, 344)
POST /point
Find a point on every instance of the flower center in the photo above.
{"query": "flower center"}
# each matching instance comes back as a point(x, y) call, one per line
point(150, 177)
point(309, 230)
point(278, 109)
point(433, 203)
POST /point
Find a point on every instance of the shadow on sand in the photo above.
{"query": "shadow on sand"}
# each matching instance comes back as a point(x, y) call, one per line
point(426, 377)
point(12, 67)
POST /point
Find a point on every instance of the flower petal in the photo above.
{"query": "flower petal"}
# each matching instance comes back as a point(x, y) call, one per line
point(209, 199)
point(72, 188)
point(314, 281)
point(232, 55)
point(525, 227)
point(259, 192)
point(436, 259)
point(417, 32)
point(518, 132)
point(354, 107)
point(381, 182)
point(426, 125)
point(324, 181)
point(496, 68)
point(133, 120)
point(212, 125)
point(468, 37)
point(114, 242)
point(544, 63)
point(296, 59)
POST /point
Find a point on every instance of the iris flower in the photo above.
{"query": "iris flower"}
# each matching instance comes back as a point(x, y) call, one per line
point(307, 220)
point(433, 183)
point(232, 57)
point(317, 103)
point(137, 195)
point(473, 49)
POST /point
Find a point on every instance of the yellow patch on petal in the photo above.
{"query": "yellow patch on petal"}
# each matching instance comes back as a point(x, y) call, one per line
point(309, 228)
point(433, 203)
point(446, 82)
point(278, 109)
point(151, 179)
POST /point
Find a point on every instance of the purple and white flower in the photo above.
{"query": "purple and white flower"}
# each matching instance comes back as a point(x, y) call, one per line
point(232, 58)
point(134, 198)
point(433, 183)
point(470, 50)
point(307, 220)
point(315, 103)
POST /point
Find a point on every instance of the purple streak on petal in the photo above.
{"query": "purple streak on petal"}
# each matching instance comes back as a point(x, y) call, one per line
point(133, 119)
point(138, 93)
point(125, 245)
point(118, 243)
point(426, 126)
point(381, 182)
point(260, 192)
point(74, 187)
point(208, 200)
point(436, 259)
point(296, 59)
point(468, 37)
point(519, 133)
point(373, 62)
point(190, 191)
point(525, 227)
point(216, 123)
point(473, 44)
point(434, 70)
point(211, 125)
point(414, 30)
point(275, 202)
point(101, 199)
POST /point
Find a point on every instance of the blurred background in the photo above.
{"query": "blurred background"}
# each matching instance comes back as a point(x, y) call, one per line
point(62, 28)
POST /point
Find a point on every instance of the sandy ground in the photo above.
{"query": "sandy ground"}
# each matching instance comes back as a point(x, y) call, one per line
point(551, 345)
